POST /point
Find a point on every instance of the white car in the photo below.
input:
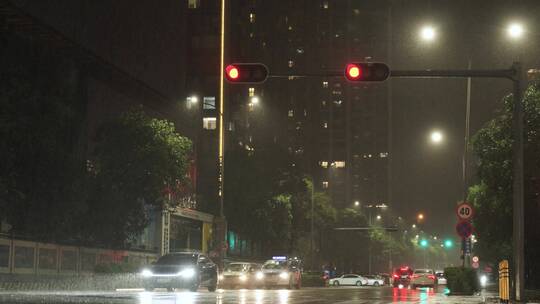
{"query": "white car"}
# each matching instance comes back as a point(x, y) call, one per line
point(441, 279)
point(348, 279)
point(374, 280)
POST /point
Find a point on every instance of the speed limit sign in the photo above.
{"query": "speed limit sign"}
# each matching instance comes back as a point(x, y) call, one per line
point(464, 211)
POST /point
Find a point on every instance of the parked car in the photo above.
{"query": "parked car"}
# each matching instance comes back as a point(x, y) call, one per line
point(402, 276)
point(374, 280)
point(423, 278)
point(348, 279)
point(441, 279)
point(239, 274)
point(189, 270)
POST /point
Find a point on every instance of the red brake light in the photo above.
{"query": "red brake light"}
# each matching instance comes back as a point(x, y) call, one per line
point(396, 276)
point(414, 276)
point(431, 277)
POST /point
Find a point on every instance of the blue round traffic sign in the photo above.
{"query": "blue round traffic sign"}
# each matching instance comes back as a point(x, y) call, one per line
point(464, 229)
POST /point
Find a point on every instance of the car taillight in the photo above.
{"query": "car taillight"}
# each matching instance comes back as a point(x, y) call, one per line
point(396, 276)
point(431, 277)
point(414, 276)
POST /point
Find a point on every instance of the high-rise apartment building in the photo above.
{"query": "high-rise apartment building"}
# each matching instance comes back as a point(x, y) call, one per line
point(337, 131)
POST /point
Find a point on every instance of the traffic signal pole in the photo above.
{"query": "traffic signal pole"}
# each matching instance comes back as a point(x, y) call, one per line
point(355, 73)
point(515, 75)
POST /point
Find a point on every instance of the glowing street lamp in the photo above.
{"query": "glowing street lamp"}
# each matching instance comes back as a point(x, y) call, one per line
point(254, 100)
point(436, 137)
point(428, 33)
point(515, 30)
point(379, 217)
point(193, 99)
point(357, 203)
point(414, 225)
point(420, 216)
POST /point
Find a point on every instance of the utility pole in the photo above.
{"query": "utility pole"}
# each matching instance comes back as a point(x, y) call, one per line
point(312, 224)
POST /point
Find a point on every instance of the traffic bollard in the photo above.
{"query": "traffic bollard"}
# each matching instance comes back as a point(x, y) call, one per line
point(504, 282)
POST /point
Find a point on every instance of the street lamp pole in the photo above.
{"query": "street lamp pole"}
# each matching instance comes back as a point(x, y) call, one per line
point(312, 223)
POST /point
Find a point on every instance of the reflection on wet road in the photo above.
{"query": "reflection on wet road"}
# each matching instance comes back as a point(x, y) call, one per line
point(342, 295)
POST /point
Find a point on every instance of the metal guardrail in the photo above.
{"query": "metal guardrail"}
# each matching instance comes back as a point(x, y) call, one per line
point(30, 257)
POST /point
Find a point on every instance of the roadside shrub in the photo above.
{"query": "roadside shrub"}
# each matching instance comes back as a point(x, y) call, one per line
point(312, 279)
point(115, 268)
point(461, 280)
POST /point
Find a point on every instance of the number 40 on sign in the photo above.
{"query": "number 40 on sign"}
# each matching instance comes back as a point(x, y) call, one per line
point(464, 211)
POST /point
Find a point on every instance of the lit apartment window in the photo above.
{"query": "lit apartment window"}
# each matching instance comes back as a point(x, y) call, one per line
point(305, 112)
point(251, 92)
point(325, 84)
point(383, 154)
point(338, 102)
point(209, 103)
point(291, 113)
point(325, 125)
point(291, 63)
point(324, 164)
point(339, 164)
point(252, 18)
point(325, 4)
point(194, 3)
point(325, 185)
point(209, 123)
point(323, 103)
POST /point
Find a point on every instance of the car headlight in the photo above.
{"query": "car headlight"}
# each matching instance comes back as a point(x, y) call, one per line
point(146, 273)
point(483, 280)
point(284, 275)
point(221, 277)
point(259, 275)
point(243, 278)
point(187, 273)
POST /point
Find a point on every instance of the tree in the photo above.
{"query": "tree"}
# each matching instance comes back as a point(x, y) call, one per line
point(139, 161)
point(42, 189)
point(492, 195)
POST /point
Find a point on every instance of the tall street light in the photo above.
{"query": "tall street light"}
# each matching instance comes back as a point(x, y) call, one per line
point(221, 224)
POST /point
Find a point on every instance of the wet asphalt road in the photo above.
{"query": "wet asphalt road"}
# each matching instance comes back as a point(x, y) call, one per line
point(342, 295)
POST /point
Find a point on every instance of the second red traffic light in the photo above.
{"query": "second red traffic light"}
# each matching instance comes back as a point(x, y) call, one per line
point(367, 71)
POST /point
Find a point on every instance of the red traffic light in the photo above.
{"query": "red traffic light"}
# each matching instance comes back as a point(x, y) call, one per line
point(246, 73)
point(353, 71)
point(367, 71)
point(232, 72)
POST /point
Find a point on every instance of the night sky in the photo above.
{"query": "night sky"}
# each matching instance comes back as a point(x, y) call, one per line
point(145, 40)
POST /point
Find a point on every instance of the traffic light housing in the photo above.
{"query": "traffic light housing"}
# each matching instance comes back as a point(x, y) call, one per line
point(367, 71)
point(246, 73)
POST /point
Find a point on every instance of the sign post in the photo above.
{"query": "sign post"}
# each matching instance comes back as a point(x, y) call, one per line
point(464, 229)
